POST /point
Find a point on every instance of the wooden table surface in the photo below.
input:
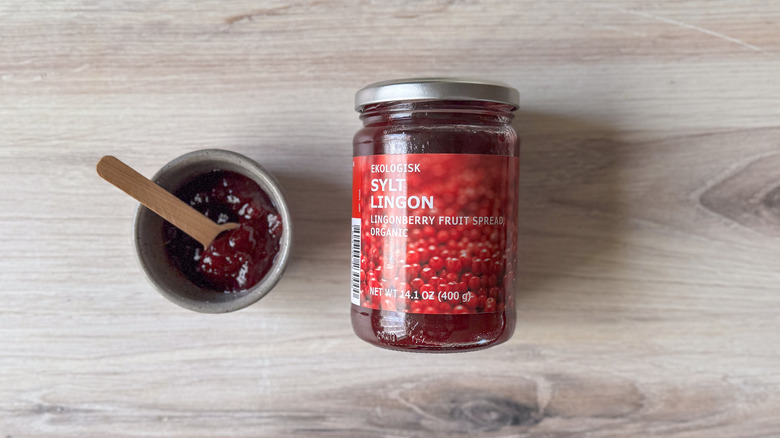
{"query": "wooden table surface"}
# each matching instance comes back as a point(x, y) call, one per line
point(650, 218)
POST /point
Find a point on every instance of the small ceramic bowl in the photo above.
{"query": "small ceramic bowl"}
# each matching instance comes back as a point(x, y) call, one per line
point(150, 241)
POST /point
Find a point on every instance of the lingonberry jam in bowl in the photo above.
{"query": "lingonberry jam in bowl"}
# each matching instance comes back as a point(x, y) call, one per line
point(434, 215)
point(241, 265)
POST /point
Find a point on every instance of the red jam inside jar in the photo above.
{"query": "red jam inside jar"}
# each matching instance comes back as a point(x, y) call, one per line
point(237, 259)
point(434, 223)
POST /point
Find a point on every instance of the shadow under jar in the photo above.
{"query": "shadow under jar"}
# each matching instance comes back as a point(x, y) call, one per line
point(434, 215)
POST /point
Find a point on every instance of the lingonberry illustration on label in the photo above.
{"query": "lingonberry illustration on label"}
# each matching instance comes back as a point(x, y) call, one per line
point(434, 233)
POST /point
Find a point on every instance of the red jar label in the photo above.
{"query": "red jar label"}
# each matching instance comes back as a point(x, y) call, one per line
point(434, 233)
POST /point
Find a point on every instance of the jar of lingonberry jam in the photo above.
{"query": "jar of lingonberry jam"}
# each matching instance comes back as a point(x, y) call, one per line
point(434, 215)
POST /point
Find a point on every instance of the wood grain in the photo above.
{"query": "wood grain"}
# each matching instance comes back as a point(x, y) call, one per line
point(650, 225)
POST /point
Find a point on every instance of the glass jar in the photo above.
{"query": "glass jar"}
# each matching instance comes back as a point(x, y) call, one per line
point(434, 215)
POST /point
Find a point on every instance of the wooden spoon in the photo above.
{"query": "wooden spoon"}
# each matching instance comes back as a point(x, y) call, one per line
point(160, 201)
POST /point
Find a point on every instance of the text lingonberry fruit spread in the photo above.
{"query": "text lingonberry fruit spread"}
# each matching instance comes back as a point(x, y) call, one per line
point(237, 259)
point(434, 214)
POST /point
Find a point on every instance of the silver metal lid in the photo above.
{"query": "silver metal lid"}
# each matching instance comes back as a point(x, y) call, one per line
point(417, 89)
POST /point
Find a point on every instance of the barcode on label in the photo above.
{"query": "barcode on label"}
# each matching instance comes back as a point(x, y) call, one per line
point(356, 261)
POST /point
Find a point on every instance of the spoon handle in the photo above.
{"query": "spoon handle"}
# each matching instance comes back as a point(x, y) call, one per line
point(160, 201)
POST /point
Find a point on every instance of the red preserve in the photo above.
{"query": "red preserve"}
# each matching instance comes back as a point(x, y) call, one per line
point(434, 215)
point(237, 259)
